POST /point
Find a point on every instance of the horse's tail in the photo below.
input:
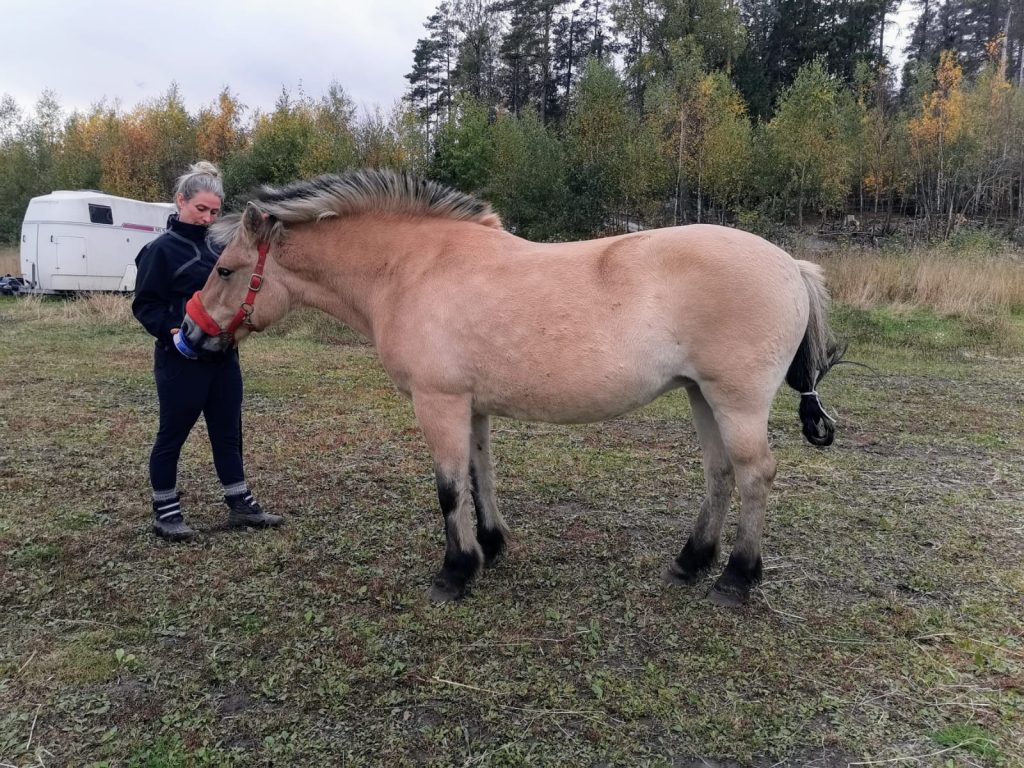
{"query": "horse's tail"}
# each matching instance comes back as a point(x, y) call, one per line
point(819, 350)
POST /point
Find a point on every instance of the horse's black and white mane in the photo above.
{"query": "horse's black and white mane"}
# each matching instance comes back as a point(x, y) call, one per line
point(359, 192)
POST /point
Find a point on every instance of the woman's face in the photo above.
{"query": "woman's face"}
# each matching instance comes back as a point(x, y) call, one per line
point(202, 208)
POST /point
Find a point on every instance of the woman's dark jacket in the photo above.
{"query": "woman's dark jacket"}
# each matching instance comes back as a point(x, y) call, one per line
point(169, 270)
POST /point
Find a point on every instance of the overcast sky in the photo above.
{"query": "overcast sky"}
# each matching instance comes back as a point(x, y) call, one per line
point(131, 50)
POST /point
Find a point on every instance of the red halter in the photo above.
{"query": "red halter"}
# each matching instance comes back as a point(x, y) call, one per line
point(204, 320)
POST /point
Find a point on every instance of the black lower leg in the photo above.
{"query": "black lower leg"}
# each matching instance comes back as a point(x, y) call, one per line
point(491, 539)
point(693, 561)
point(460, 565)
point(455, 575)
point(741, 574)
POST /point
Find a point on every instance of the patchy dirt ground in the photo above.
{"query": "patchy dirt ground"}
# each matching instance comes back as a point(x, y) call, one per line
point(889, 629)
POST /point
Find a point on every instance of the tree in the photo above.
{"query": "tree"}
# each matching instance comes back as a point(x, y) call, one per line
point(465, 148)
point(574, 40)
point(424, 81)
point(332, 145)
point(669, 110)
point(434, 60)
point(881, 169)
point(597, 136)
point(785, 35)
point(936, 141)
point(219, 128)
point(720, 154)
point(28, 152)
point(154, 145)
point(10, 118)
point(524, 75)
point(528, 184)
point(476, 63)
point(380, 140)
point(88, 140)
point(277, 151)
point(807, 141)
point(634, 23)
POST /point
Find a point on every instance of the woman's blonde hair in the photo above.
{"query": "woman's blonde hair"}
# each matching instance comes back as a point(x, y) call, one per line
point(203, 176)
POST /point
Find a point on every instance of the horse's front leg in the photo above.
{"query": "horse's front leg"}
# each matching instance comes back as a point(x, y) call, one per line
point(445, 421)
point(491, 531)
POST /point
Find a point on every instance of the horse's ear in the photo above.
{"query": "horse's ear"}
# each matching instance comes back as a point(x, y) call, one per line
point(256, 225)
point(252, 219)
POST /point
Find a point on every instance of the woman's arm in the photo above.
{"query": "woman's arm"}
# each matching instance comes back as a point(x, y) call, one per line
point(153, 305)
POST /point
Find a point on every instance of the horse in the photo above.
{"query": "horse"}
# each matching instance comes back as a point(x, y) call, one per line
point(471, 321)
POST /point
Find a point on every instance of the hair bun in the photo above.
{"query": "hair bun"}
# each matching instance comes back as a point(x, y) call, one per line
point(203, 176)
point(205, 166)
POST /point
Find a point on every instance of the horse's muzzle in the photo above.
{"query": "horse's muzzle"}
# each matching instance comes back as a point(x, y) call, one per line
point(201, 331)
point(196, 312)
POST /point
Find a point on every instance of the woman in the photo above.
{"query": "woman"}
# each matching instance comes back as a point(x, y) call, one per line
point(170, 270)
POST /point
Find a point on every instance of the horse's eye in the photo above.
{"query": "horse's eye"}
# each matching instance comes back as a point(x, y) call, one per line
point(224, 272)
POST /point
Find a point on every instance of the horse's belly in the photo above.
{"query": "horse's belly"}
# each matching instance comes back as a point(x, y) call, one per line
point(587, 400)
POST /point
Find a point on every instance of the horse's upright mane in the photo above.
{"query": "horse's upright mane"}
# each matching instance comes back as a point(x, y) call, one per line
point(359, 192)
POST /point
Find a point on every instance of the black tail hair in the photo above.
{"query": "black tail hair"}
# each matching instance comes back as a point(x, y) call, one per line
point(819, 350)
point(819, 426)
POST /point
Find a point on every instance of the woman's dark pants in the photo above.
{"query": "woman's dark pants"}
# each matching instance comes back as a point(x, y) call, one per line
point(187, 388)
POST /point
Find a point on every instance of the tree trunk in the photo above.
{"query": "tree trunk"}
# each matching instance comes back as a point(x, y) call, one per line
point(1006, 43)
point(680, 206)
point(700, 192)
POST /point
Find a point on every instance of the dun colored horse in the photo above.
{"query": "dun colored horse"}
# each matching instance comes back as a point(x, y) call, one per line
point(471, 321)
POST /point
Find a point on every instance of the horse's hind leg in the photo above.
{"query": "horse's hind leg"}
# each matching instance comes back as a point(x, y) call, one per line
point(491, 531)
point(445, 421)
point(701, 548)
point(745, 436)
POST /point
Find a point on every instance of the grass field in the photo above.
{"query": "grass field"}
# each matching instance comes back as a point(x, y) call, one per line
point(889, 630)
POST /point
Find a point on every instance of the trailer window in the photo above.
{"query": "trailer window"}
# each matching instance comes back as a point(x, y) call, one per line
point(100, 214)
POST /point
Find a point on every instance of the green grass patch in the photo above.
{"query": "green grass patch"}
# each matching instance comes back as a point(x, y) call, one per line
point(971, 738)
point(929, 333)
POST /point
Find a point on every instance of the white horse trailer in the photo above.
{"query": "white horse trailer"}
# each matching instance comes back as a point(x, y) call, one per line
point(86, 241)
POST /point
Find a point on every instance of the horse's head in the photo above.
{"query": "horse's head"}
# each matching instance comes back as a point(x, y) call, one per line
point(242, 293)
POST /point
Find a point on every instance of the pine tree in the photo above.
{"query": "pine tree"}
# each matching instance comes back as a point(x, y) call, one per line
point(784, 35)
point(431, 87)
point(476, 62)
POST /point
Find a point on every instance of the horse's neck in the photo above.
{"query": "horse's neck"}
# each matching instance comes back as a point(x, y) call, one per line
point(345, 268)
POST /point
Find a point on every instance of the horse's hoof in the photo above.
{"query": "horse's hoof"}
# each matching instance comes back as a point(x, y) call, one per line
point(492, 544)
point(490, 562)
point(674, 576)
point(733, 587)
point(445, 592)
point(724, 597)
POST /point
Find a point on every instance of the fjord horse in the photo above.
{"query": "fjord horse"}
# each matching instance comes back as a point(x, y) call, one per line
point(471, 321)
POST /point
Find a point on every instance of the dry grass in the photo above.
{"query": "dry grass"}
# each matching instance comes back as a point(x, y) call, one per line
point(93, 309)
point(967, 287)
point(108, 308)
point(10, 263)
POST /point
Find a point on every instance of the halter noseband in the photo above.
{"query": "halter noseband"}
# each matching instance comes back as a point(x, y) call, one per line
point(205, 321)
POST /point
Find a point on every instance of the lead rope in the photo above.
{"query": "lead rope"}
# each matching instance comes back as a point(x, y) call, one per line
point(814, 393)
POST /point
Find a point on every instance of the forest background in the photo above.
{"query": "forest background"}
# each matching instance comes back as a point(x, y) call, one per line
point(579, 118)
